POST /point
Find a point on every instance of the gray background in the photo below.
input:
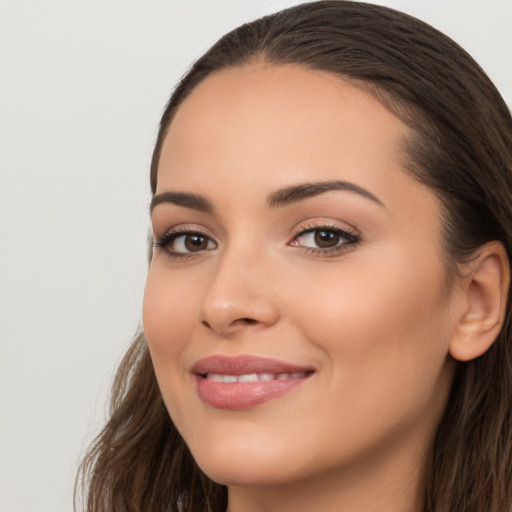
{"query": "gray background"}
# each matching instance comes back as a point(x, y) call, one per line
point(82, 86)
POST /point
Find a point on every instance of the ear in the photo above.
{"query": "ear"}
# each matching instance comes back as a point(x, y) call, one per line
point(484, 287)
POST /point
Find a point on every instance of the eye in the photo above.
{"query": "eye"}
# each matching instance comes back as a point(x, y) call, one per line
point(320, 238)
point(324, 239)
point(184, 243)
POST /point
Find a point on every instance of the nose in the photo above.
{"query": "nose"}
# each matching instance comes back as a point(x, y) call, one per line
point(239, 297)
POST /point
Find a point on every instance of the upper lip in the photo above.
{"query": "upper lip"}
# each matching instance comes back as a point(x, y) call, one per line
point(241, 365)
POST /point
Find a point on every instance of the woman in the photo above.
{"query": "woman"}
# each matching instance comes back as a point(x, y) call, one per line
point(326, 324)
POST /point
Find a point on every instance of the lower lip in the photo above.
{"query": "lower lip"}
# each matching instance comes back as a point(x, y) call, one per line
point(243, 395)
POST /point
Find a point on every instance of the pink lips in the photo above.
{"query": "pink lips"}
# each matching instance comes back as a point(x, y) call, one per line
point(245, 381)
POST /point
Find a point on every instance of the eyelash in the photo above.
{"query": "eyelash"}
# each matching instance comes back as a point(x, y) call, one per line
point(166, 240)
point(351, 239)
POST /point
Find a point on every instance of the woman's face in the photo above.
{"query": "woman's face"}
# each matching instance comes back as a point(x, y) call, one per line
point(297, 308)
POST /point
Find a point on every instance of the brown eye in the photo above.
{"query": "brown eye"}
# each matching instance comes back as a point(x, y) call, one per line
point(179, 244)
point(195, 242)
point(326, 239)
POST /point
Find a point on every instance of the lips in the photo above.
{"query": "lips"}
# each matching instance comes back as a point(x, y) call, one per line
point(245, 381)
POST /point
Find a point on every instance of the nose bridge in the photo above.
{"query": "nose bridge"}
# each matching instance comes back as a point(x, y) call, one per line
point(239, 293)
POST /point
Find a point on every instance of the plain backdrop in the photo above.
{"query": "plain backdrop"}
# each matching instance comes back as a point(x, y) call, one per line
point(82, 86)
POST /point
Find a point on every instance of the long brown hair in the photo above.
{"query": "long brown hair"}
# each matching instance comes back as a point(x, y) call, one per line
point(461, 148)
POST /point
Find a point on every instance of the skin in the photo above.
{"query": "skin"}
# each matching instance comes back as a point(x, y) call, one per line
point(375, 319)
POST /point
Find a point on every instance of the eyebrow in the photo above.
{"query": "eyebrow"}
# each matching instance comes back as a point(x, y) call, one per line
point(281, 197)
point(194, 201)
point(302, 191)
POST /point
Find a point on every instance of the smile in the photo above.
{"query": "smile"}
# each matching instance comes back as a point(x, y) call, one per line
point(243, 382)
point(254, 377)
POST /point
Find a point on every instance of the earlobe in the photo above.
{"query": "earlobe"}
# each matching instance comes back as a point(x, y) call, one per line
point(485, 287)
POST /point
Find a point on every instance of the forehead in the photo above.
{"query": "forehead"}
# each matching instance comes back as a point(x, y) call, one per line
point(281, 117)
point(263, 127)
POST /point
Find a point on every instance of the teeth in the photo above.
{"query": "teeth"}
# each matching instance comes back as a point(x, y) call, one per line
point(254, 377)
point(250, 377)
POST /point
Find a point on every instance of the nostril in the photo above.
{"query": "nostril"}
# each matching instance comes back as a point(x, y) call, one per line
point(238, 321)
point(248, 321)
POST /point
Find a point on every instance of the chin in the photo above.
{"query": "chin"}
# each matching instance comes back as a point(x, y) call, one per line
point(231, 476)
point(247, 474)
point(252, 464)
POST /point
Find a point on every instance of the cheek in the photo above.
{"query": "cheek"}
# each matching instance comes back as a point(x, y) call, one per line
point(385, 329)
point(393, 296)
point(168, 316)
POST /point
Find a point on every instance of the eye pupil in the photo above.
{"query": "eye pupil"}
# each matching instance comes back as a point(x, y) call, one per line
point(326, 238)
point(195, 242)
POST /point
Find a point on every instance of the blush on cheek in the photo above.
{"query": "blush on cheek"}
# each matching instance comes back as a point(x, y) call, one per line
point(163, 318)
point(377, 311)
